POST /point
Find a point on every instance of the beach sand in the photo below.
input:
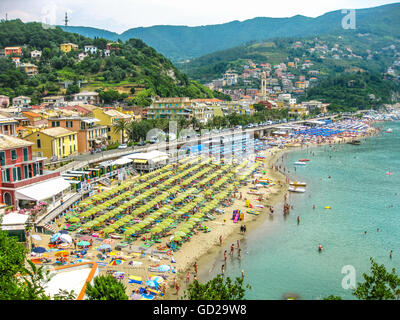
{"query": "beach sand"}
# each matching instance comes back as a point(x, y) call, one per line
point(204, 248)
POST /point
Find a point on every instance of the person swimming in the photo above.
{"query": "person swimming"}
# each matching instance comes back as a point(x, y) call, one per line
point(319, 248)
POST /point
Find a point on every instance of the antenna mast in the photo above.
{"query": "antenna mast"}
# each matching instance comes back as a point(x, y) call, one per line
point(66, 20)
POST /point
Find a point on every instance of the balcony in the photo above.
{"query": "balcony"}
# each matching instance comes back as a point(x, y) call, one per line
point(25, 182)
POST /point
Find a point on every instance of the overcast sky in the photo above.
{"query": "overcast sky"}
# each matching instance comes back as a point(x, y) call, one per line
point(120, 15)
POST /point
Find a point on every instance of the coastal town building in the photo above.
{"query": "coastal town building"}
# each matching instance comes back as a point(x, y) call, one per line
point(4, 101)
point(36, 54)
point(29, 68)
point(90, 135)
point(9, 51)
point(90, 49)
point(8, 124)
point(54, 142)
point(54, 101)
point(86, 98)
point(19, 169)
point(109, 118)
point(67, 47)
point(21, 101)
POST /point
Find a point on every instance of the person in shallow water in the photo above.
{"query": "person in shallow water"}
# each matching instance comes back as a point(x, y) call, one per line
point(319, 248)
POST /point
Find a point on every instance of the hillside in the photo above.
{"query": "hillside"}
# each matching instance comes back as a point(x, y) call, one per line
point(132, 67)
point(275, 51)
point(179, 43)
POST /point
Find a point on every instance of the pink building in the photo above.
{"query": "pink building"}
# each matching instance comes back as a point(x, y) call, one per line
point(4, 101)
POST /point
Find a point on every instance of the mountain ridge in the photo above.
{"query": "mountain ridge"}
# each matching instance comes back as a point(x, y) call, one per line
point(179, 43)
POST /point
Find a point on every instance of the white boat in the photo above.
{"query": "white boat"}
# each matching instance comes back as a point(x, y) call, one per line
point(295, 189)
point(389, 130)
point(299, 163)
point(298, 184)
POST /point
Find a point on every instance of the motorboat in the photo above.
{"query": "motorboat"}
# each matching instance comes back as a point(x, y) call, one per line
point(299, 163)
point(296, 189)
point(355, 142)
point(298, 184)
point(304, 160)
point(389, 130)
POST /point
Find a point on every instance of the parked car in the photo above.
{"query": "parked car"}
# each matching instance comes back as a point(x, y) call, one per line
point(141, 143)
point(122, 146)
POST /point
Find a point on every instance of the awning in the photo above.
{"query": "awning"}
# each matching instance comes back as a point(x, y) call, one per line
point(122, 161)
point(43, 190)
point(14, 221)
point(91, 120)
point(140, 161)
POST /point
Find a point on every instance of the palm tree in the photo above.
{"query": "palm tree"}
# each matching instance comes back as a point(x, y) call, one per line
point(120, 127)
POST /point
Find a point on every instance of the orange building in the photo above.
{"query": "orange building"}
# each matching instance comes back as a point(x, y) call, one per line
point(90, 135)
point(8, 51)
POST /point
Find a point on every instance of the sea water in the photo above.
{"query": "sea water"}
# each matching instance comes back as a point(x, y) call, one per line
point(280, 256)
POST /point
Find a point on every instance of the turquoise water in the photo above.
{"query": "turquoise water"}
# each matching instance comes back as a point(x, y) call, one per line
point(280, 256)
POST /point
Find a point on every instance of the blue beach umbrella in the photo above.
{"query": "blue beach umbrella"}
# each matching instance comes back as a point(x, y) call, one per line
point(39, 250)
point(152, 283)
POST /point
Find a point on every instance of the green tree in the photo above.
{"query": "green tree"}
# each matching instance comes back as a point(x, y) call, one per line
point(120, 127)
point(106, 288)
point(12, 259)
point(380, 285)
point(219, 288)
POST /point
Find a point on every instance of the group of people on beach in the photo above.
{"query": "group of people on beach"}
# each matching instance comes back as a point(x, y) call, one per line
point(232, 251)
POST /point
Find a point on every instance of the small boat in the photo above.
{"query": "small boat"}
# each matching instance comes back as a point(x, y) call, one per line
point(355, 142)
point(304, 160)
point(295, 189)
point(389, 130)
point(299, 163)
point(298, 183)
point(389, 173)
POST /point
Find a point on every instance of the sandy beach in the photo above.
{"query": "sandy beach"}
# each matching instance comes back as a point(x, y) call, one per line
point(203, 248)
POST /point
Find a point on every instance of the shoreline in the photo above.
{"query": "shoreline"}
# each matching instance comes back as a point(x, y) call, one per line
point(205, 259)
point(204, 248)
point(229, 230)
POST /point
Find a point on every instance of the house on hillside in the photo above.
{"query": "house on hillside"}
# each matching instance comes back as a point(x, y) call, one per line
point(86, 98)
point(8, 51)
point(67, 47)
point(36, 54)
point(4, 101)
point(21, 101)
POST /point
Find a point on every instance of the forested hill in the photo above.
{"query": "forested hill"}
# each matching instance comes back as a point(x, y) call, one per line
point(182, 42)
point(133, 67)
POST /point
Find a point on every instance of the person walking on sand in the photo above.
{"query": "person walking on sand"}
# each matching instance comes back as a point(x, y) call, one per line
point(223, 269)
point(195, 267)
point(188, 277)
point(220, 240)
point(225, 256)
point(177, 287)
point(238, 244)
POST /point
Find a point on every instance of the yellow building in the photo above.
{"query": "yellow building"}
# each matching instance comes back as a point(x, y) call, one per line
point(67, 47)
point(109, 118)
point(298, 110)
point(59, 142)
